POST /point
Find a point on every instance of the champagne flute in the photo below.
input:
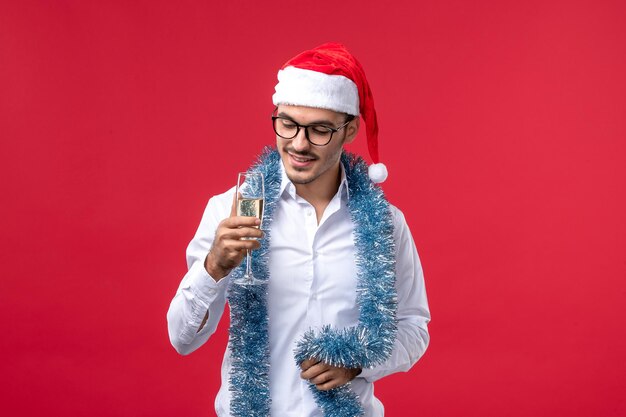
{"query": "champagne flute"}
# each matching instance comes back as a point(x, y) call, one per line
point(250, 198)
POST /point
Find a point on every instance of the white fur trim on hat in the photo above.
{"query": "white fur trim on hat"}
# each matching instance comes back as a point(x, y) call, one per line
point(302, 87)
point(377, 173)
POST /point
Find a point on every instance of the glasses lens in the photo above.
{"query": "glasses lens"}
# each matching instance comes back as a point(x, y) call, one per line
point(285, 128)
point(320, 135)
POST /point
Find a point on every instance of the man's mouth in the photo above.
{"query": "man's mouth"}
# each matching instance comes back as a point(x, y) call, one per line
point(300, 161)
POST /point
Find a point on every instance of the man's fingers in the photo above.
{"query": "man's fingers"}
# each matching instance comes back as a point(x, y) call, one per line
point(326, 377)
point(306, 364)
point(233, 208)
point(234, 251)
point(328, 385)
point(315, 370)
point(322, 378)
point(240, 221)
point(241, 233)
point(242, 245)
point(333, 378)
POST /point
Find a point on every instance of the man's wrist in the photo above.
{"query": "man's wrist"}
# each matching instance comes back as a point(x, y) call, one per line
point(212, 269)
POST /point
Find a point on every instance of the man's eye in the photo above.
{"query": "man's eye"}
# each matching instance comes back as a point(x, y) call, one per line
point(288, 125)
point(320, 130)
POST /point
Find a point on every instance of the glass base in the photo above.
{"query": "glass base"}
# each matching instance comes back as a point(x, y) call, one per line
point(247, 281)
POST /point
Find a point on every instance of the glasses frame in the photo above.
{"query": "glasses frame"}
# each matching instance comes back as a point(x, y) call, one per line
point(306, 129)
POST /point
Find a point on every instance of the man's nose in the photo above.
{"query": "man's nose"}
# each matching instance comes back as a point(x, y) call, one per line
point(300, 142)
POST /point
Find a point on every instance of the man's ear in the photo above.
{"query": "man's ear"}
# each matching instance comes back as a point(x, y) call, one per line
point(352, 129)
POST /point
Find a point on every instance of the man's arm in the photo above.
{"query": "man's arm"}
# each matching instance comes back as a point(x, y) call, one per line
point(413, 316)
point(413, 313)
point(216, 248)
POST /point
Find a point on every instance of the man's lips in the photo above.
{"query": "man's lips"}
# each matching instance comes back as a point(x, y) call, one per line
point(300, 160)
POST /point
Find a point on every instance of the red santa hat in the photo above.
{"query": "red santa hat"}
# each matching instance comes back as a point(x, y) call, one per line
point(329, 77)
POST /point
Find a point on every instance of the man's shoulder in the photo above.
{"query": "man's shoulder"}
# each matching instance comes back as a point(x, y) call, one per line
point(396, 215)
point(219, 205)
point(225, 197)
point(401, 229)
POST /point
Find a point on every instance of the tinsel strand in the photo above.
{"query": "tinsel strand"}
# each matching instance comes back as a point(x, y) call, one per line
point(363, 346)
point(249, 343)
point(371, 342)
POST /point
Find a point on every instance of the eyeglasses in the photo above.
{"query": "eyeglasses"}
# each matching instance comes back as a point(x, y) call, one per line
point(318, 135)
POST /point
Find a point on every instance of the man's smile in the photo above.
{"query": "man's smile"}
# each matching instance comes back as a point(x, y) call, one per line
point(300, 161)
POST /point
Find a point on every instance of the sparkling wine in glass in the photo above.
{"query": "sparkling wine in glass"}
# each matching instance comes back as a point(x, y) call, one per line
point(250, 198)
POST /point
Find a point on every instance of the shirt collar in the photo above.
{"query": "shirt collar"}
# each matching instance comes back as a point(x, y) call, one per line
point(287, 186)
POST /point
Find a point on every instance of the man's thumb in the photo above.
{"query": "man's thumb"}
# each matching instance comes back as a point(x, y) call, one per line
point(233, 209)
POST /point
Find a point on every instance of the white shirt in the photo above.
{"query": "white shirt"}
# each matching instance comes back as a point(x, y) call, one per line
point(312, 283)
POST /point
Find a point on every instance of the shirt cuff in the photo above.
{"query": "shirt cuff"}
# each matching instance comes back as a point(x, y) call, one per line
point(201, 292)
point(370, 375)
point(203, 285)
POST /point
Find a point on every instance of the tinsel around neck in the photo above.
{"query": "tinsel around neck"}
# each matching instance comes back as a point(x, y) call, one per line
point(363, 346)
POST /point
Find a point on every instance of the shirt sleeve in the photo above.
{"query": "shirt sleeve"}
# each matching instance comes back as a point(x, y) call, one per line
point(413, 314)
point(198, 293)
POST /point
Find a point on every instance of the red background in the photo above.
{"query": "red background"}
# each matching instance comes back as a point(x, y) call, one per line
point(502, 124)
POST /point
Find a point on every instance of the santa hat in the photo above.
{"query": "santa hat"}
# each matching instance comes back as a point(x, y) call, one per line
point(329, 77)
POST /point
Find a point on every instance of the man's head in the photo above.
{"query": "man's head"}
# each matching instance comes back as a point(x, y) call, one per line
point(327, 79)
point(310, 141)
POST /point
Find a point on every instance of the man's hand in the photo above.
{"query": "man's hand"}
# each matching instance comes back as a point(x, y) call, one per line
point(229, 248)
point(326, 377)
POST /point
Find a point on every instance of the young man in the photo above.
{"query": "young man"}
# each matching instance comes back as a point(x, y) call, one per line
point(342, 301)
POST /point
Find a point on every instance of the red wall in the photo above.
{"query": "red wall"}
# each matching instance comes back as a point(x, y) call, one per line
point(502, 123)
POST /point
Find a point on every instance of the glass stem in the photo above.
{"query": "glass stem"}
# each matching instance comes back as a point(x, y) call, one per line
point(248, 264)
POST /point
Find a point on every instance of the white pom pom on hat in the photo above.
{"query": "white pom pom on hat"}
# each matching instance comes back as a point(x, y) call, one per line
point(377, 173)
point(329, 77)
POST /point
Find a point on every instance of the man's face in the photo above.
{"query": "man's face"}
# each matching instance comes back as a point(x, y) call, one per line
point(304, 162)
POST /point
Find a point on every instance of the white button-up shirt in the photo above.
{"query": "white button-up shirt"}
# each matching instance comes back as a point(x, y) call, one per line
point(312, 283)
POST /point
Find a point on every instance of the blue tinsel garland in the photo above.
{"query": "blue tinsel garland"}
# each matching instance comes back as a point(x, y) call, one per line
point(364, 346)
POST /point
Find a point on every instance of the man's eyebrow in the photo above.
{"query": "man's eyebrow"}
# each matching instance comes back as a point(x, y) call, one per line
point(315, 122)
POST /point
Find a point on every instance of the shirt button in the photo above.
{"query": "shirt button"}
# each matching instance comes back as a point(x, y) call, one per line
point(309, 212)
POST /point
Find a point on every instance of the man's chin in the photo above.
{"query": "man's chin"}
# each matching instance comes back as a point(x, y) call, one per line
point(299, 177)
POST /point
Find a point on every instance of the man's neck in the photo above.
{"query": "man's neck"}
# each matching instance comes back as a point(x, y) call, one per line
point(320, 192)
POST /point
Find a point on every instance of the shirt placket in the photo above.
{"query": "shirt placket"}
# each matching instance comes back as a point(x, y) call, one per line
point(311, 227)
